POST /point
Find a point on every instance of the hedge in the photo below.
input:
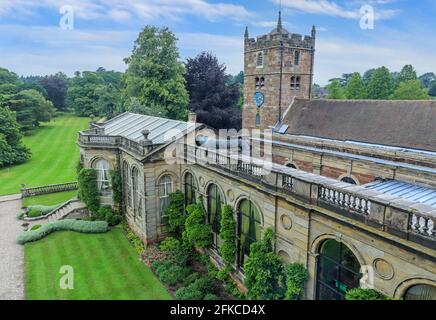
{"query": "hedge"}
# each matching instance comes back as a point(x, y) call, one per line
point(63, 225)
point(39, 210)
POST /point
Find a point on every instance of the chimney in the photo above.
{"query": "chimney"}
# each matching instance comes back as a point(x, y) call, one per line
point(192, 117)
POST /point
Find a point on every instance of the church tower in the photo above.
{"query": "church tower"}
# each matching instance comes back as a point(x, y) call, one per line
point(278, 67)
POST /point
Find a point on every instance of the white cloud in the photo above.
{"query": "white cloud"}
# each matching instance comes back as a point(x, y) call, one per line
point(331, 8)
point(121, 10)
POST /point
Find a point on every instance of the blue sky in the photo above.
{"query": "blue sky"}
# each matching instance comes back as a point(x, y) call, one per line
point(32, 42)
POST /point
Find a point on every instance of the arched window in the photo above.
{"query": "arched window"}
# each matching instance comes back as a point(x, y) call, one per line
point(348, 180)
point(215, 201)
point(127, 184)
point(259, 59)
point(190, 189)
point(103, 176)
point(257, 81)
point(297, 58)
point(137, 192)
point(249, 229)
point(421, 292)
point(295, 83)
point(165, 187)
point(338, 271)
point(262, 82)
point(257, 119)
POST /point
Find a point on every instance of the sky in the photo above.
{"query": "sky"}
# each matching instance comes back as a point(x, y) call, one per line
point(39, 37)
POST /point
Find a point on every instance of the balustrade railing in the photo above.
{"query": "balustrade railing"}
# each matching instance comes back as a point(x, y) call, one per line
point(423, 225)
point(345, 200)
point(53, 188)
point(88, 138)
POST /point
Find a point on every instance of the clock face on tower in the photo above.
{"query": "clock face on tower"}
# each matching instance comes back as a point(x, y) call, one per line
point(259, 99)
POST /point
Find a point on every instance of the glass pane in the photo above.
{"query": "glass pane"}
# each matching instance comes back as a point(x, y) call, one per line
point(331, 249)
point(328, 272)
point(348, 280)
point(421, 292)
point(326, 293)
point(349, 260)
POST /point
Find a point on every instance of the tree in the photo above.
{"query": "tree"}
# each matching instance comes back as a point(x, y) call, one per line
point(432, 91)
point(82, 94)
point(9, 82)
point(335, 90)
point(30, 106)
point(238, 80)
point(56, 87)
point(381, 84)
point(407, 74)
point(210, 96)
point(410, 90)
point(355, 88)
point(108, 100)
point(367, 76)
point(196, 231)
point(264, 274)
point(228, 236)
point(155, 74)
point(12, 151)
point(427, 80)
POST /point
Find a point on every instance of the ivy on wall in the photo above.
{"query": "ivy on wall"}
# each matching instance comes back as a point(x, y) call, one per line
point(228, 236)
point(296, 277)
point(175, 212)
point(88, 189)
point(117, 187)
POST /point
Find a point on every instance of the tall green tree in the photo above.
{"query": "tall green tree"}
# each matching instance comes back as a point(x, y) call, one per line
point(9, 82)
point(381, 85)
point(30, 106)
point(355, 88)
point(410, 90)
point(367, 76)
point(155, 75)
point(210, 95)
point(335, 90)
point(12, 150)
point(408, 73)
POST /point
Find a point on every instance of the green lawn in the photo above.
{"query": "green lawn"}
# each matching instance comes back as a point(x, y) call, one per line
point(105, 267)
point(50, 199)
point(54, 156)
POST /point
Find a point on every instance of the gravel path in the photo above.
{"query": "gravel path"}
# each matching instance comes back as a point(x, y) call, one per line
point(11, 254)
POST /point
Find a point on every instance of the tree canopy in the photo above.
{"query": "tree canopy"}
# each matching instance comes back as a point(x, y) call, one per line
point(56, 87)
point(410, 90)
point(211, 96)
point(335, 90)
point(355, 88)
point(155, 76)
point(381, 84)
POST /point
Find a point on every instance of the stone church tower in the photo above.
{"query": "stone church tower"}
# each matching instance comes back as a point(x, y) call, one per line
point(278, 66)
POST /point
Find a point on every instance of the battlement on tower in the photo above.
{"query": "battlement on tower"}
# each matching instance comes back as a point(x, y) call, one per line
point(273, 40)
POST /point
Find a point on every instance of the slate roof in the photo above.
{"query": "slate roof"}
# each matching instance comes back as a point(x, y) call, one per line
point(405, 190)
point(130, 125)
point(407, 124)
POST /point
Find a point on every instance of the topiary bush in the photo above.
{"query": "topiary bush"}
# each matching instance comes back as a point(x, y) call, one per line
point(180, 251)
point(38, 210)
point(169, 273)
point(63, 225)
point(175, 212)
point(296, 277)
point(365, 294)
point(228, 236)
point(88, 189)
point(197, 231)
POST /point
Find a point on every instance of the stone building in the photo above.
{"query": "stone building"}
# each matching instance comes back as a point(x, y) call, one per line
point(349, 188)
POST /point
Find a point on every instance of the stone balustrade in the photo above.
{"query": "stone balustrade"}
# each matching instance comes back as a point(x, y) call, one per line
point(53, 188)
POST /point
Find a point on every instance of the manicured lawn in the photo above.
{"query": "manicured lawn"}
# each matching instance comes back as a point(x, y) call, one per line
point(54, 156)
point(105, 267)
point(50, 199)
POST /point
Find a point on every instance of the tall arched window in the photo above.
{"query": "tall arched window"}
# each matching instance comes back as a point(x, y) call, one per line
point(259, 59)
point(249, 229)
point(257, 119)
point(137, 192)
point(103, 176)
point(127, 184)
point(190, 189)
point(297, 58)
point(165, 187)
point(421, 292)
point(215, 202)
point(338, 271)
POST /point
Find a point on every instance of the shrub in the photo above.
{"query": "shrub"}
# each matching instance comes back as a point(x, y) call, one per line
point(136, 242)
point(36, 227)
point(175, 212)
point(197, 231)
point(264, 274)
point(63, 225)
point(20, 215)
point(210, 296)
point(196, 290)
point(228, 236)
point(169, 273)
point(107, 214)
point(38, 211)
point(180, 251)
point(169, 244)
point(296, 277)
point(365, 294)
point(88, 189)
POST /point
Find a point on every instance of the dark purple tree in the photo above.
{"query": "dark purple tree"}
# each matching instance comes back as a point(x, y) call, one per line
point(56, 87)
point(211, 97)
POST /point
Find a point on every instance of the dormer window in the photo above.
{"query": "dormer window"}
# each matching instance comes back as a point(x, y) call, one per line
point(295, 83)
point(297, 58)
point(259, 60)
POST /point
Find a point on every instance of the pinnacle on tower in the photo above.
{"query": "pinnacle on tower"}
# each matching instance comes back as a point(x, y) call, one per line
point(313, 31)
point(279, 23)
point(246, 32)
